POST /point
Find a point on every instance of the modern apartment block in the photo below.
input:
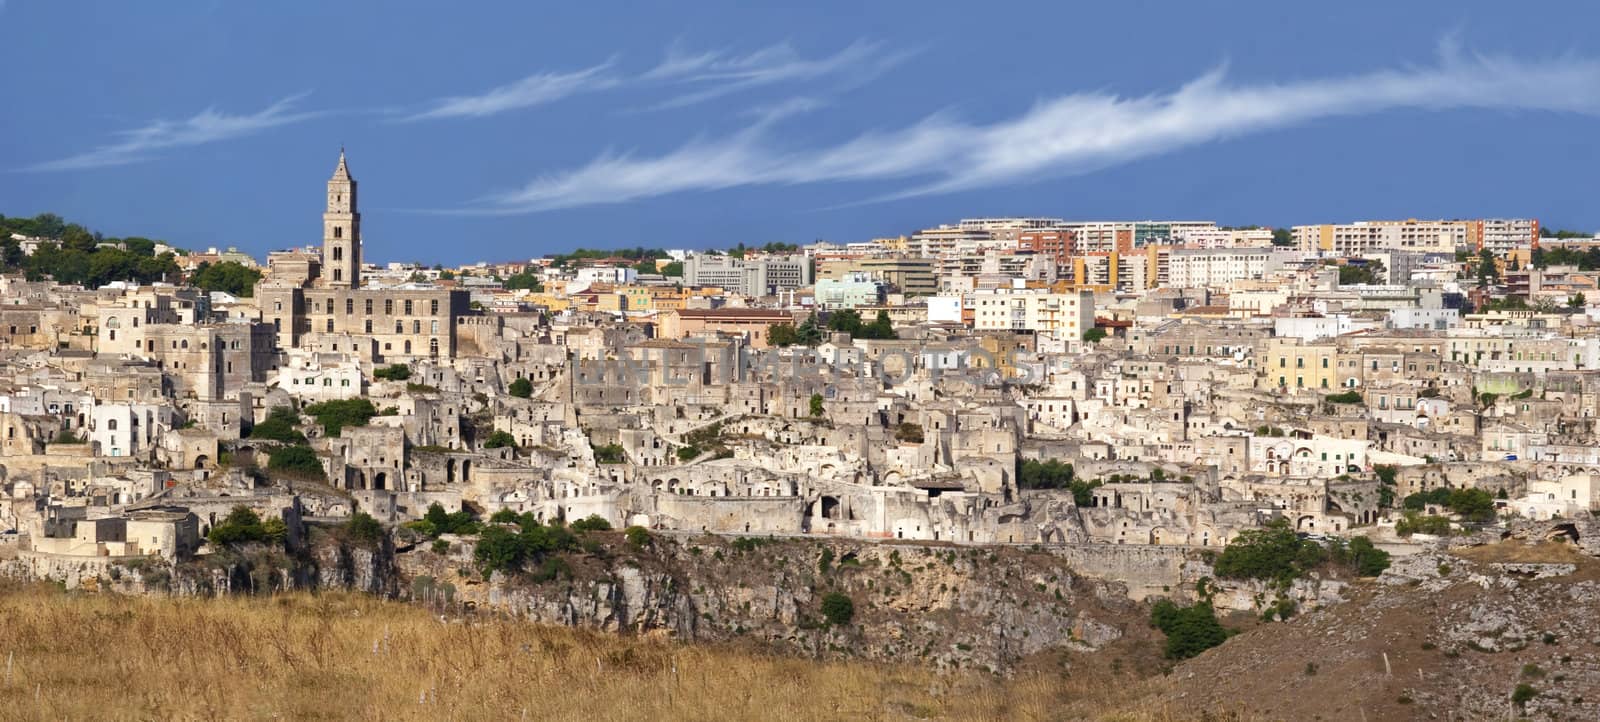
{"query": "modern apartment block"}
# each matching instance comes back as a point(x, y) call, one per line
point(762, 276)
point(1499, 235)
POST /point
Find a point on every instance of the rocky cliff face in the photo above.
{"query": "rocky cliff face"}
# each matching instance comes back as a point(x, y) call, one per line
point(950, 607)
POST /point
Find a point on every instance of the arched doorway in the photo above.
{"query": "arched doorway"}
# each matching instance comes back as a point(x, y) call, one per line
point(379, 480)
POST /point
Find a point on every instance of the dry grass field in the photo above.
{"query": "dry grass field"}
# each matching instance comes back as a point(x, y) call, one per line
point(94, 656)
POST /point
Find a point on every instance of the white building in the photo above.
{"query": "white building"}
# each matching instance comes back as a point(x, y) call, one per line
point(122, 429)
point(314, 377)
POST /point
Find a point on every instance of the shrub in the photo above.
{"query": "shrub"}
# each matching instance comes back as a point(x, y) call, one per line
point(816, 405)
point(335, 415)
point(551, 569)
point(442, 522)
point(909, 432)
point(499, 439)
point(610, 454)
point(363, 528)
point(1094, 335)
point(275, 530)
point(688, 453)
point(1273, 552)
point(825, 562)
point(1190, 630)
point(1414, 523)
point(521, 388)
point(1523, 694)
point(1347, 397)
point(1360, 556)
point(638, 536)
point(298, 459)
point(441, 547)
point(241, 526)
point(394, 372)
point(499, 549)
point(594, 522)
point(279, 426)
point(838, 609)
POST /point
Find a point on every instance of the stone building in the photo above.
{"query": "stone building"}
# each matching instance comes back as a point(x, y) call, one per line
point(328, 297)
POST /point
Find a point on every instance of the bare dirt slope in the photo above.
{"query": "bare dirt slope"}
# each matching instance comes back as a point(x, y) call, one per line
point(1440, 636)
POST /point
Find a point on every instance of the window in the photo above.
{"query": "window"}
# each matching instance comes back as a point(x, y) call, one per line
point(399, 326)
point(330, 325)
point(369, 325)
point(408, 307)
point(111, 425)
point(338, 274)
point(349, 306)
point(433, 307)
point(388, 307)
point(416, 327)
point(338, 232)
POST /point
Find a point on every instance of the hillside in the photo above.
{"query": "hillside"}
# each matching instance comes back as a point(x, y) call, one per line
point(1443, 636)
point(352, 656)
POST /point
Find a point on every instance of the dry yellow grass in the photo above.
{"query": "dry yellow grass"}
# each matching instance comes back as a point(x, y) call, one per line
point(87, 656)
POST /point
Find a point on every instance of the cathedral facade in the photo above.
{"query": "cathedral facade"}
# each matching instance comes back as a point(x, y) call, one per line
point(326, 296)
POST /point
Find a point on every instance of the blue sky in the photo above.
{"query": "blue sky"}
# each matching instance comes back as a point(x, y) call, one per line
point(503, 131)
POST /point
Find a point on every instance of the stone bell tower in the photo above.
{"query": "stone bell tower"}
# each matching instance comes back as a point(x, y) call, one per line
point(341, 231)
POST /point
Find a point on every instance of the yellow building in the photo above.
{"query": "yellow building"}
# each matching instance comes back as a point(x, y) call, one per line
point(1293, 365)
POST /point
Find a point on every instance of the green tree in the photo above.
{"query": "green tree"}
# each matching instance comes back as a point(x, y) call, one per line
point(881, 328)
point(241, 526)
point(362, 527)
point(227, 276)
point(279, 426)
point(275, 530)
point(521, 388)
point(816, 405)
point(524, 281)
point(808, 333)
point(297, 459)
point(846, 320)
point(782, 335)
point(1190, 630)
point(593, 522)
point(499, 439)
point(339, 413)
point(673, 269)
point(610, 454)
point(392, 372)
point(1577, 300)
point(838, 608)
point(1282, 237)
point(1094, 335)
point(1487, 270)
point(1273, 552)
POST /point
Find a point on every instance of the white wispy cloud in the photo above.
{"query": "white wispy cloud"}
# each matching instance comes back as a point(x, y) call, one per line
point(1072, 134)
point(724, 73)
point(208, 126)
point(536, 89)
point(707, 75)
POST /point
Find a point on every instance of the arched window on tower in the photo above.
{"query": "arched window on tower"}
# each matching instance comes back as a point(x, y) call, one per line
point(338, 232)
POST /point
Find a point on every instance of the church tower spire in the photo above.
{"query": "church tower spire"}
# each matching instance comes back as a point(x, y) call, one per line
point(341, 231)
